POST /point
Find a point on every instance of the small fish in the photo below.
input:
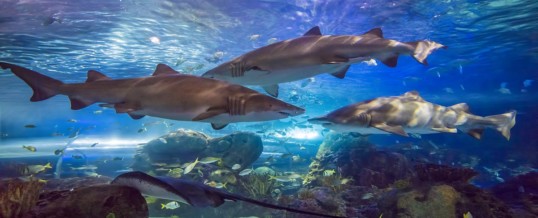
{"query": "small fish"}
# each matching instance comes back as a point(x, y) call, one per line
point(272, 40)
point(462, 88)
point(302, 148)
point(370, 62)
point(163, 140)
point(297, 158)
point(72, 120)
point(367, 196)
point(89, 167)
point(74, 134)
point(58, 151)
point(191, 166)
point(286, 155)
point(527, 83)
point(30, 148)
point(461, 69)
point(236, 167)
point(345, 181)
point(521, 189)
point(208, 160)
point(245, 172)
point(172, 205)
point(117, 158)
point(94, 144)
point(141, 130)
point(30, 126)
point(111, 215)
point(35, 169)
point(98, 112)
point(216, 184)
point(329, 172)
point(448, 90)
point(254, 37)
point(467, 215)
point(270, 159)
point(77, 157)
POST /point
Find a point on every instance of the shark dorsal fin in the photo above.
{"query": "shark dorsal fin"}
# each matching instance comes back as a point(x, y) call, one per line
point(413, 94)
point(163, 69)
point(95, 76)
point(376, 32)
point(314, 31)
point(460, 107)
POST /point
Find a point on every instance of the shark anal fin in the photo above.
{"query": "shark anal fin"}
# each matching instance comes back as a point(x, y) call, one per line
point(211, 112)
point(399, 130)
point(336, 60)
point(77, 104)
point(136, 117)
point(218, 126)
point(376, 32)
point(314, 31)
point(340, 74)
point(445, 129)
point(476, 133)
point(126, 107)
point(96, 76)
point(163, 69)
point(272, 90)
point(391, 61)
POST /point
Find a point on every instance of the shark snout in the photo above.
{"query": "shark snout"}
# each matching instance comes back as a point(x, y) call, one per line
point(292, 111)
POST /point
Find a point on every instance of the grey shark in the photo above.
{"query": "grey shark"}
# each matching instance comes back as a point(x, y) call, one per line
point(167, 94)
point(190, 192)
point(313, 54)
point(409, 113)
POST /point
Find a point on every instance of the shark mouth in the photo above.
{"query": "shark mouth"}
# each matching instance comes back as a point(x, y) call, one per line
point(284, 113)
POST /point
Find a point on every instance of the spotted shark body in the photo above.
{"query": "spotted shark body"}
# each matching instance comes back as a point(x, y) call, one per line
point(410, 113)
point(313, 54)
point(166, 94)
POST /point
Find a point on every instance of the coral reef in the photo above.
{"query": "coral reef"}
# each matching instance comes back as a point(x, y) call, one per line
point(521, 193)
point(439, 202)
point(183, 146)
point(91, 201)
point(17, 197)
point(319, 199)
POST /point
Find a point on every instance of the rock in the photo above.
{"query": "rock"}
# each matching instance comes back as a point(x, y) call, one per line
point(520, 193)
point(319, 199)
point(17, 197)
point(440, 202)
point(185, 146)
point(444, 174)
point(91, 201)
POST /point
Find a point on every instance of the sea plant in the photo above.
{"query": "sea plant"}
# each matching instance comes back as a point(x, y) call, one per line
point(258, 186)
point(17, 197)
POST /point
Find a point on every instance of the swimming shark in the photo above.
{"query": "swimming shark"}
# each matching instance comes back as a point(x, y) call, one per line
point(410, 113)
point(167, 94)
point(189, 192)
point(313, 54)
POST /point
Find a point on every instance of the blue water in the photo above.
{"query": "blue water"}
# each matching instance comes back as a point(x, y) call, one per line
point(490, 43)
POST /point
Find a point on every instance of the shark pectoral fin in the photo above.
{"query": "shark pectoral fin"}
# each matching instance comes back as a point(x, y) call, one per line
point(163, 69)
point(126, 107)
point(314, 31)
point(272, 90)
point(391, 61)
point(399, 130)
point(218, 126)
point(77, 104)
point(96, 76)
point(336, 60)
point(340, 74)
point(445, 129)
point(376, 32)
point(476, 133)
point(211, 112)
point(136, 117)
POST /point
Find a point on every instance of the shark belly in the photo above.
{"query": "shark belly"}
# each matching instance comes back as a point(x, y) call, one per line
point(284, 75)
point(373, 131)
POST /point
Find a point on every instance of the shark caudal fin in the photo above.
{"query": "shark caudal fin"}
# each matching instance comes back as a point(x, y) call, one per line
point(44, 87)
point(424, 48)
point(503, 122)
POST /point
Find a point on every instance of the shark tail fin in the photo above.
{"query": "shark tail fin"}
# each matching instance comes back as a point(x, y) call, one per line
point(43, 86)
point(424, 48)
point(503, 122)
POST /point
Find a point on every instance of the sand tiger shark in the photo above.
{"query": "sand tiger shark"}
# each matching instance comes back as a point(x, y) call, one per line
point(167, 94)
point(190, 192)
point(313, 54)
point(410, 113)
